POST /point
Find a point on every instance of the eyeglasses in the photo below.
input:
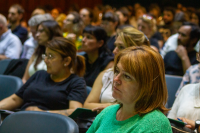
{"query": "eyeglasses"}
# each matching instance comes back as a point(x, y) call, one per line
point(198, 57)
point(49, 57)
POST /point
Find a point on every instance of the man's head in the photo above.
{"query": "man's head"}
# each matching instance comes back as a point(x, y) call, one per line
point(15, 14)
point(86, 15)
point(168, 15)
point(189, 34)
point(3, 24)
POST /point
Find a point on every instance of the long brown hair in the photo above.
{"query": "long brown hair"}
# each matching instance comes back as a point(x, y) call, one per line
point(147, 66)
point(52, 29)
point(65, 48)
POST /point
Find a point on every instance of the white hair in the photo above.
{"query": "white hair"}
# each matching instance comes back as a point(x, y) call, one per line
point(3, 20)
point(37, 19)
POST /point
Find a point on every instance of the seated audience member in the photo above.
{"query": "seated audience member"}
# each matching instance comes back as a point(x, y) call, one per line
point(73, 28)
point(86, 15)
point(37, 11)
point(168, 18)
point(139, 11)
point(178, 61)
point(45, 32)
point(57, 89)
point(97, 56)
point(191, 76)
point(15, 15)
point(101, 93)
point(147, 25)
point(110, 22)
point(123, 15)
point(191, 124)
point(60, 19)
point(140, 90)
point(195, 17)
point(55, 12)
point(10, 45)
point(31, 44)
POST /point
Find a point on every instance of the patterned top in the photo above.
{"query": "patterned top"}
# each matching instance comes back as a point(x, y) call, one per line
point(191, 76)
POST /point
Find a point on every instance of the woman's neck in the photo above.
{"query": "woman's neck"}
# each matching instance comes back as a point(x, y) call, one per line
point(92, 57)
point(60, 76)
point(125, 112)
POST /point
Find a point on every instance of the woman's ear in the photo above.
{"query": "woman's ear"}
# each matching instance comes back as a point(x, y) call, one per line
point(100, 43)
point(67, 61)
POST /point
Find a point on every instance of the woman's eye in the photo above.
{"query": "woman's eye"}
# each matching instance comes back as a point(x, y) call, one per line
point(126, 76)
point(121, 47)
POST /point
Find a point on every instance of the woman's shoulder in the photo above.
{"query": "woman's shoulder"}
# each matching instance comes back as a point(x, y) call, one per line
point(157, 120)
point(190, 87)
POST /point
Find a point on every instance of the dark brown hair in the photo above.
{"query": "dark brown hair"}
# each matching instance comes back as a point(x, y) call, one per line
point(65, 48)
point(52, 29)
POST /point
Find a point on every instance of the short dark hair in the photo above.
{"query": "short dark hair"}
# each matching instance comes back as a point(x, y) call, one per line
point(170, 9)
point(100, 34)
point(19, 8)
point(195, 31)
point(109, 16)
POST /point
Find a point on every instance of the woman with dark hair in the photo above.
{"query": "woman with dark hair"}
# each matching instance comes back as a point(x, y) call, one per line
point(45, 32)
point(57, 90)
point(123, 15)
point(109, 22)
point(140, 90)
point(97, 56)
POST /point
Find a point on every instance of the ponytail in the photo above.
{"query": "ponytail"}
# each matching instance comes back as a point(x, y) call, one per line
point(80, 66)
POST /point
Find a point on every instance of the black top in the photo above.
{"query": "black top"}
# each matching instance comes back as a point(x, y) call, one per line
point(157, 36)
point(46, 94)
point(154, 42)
point(93, 70)
point(173, 64)
point(21, 32)
point(110, 43)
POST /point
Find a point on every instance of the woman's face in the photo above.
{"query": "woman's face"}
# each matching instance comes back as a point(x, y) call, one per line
point(90, 43)
point(194, 19)
point(125, 86)
point(144, 27)
point(119, 45)
point(108, 26)
point(122, 18)
point(41, 35)
point(68, 22)
point(54, 61)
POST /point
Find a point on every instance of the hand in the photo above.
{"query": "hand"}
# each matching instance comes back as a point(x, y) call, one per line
point(99, 109)
point(190, 124)
point(181, 51)
point(33, 108)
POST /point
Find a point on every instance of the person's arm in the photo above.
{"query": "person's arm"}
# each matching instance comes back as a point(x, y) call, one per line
point(10, 103)
point(110, 65)
point(92, 100)
point(26, 74)
point(182, 53)
point(2, 57)
point(73, 105)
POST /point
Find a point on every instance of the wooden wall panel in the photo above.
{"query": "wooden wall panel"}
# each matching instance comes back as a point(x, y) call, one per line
point(30, 5)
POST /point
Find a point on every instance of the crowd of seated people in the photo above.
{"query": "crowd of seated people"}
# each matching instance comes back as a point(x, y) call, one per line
point(122, 54)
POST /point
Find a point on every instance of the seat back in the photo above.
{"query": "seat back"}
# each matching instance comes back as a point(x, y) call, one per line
point(38, 122)
point(3, 65)
point(173, 82)
point(9, 85)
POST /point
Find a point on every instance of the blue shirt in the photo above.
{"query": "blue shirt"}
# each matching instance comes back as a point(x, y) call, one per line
point(21, 32)
point(10, 45)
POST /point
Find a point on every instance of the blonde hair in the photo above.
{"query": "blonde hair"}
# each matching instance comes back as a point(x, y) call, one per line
point(150, 21)
point(147, 66)
point(133, 37)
